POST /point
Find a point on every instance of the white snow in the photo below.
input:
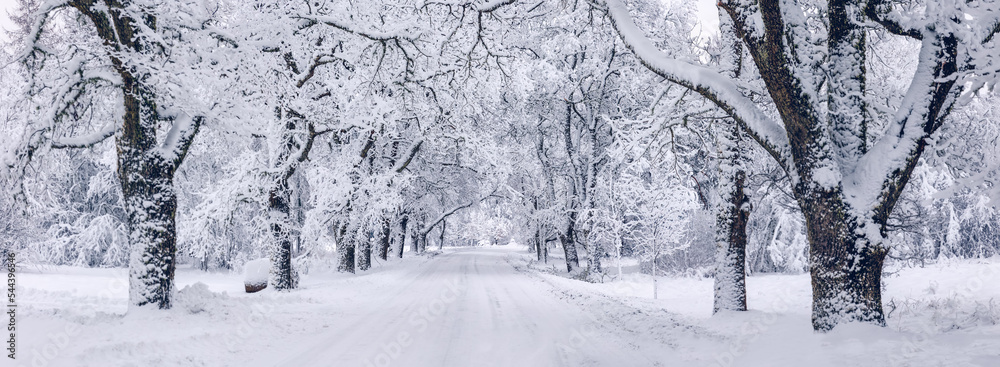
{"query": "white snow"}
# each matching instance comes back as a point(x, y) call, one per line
point(492, 307)
point(257, 271)
point(90, 139)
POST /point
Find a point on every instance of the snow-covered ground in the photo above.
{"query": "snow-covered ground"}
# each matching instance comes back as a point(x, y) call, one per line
point(494, 307)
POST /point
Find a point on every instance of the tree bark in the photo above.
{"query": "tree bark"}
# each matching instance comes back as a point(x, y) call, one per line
point(845, 265)
point(422, 243)
point(402, 237)
point(383, 244)
point(444, 225)
point(594, 256)
point(538, 244)
point(731, 222)
point(415, 238)
point(150, 204)
point(345, 251)
point(545, 252)
point(364, 253)
point(568, 240)
point(283, 276)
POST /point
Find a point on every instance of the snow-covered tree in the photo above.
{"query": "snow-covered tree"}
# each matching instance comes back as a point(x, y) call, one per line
point(847, 176)
point(143, 73)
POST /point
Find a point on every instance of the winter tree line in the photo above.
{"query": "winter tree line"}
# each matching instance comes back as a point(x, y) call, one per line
point(804, 135)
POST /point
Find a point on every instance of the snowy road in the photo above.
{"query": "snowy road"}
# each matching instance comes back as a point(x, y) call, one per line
point(482, 307)
point(465, 308)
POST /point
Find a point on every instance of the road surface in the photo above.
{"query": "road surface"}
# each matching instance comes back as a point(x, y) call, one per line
point(465, 308)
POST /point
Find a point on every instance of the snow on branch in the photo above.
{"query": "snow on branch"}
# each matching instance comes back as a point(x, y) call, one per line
point(882, 172)
point(304, 153)
point(992, 33)
point(451, 211)
point(486, 7)
point(318, 61)
point(179, 138)
point(41, 17)
point(493, 5)
point(409, 157)
point(881, 12)
point(710, 84)
point(86, 141)
point(403, 33)
point(289, 166)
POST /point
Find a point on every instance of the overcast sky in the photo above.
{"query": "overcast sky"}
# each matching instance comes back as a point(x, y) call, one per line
point(706, 11)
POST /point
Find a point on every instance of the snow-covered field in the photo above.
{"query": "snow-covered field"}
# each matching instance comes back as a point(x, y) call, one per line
point(494, 307)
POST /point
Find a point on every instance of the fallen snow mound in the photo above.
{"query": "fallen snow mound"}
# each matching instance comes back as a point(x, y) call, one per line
point(256, 272)
point(196, 298)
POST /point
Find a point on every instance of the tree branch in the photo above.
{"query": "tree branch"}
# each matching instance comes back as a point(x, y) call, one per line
point(720, 90)
point(185, 139)
point(86, 141)
point(928, 102)
point(318, 61)
point(409, 157)
point(371, 35)
point(454, 210)
point(303, 155)
point(877, 10)
point(313, 134)
point(992, 33)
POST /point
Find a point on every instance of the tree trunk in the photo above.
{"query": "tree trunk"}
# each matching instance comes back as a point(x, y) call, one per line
point(346, 256)
point(365, 253)
point(568, 240)
point(283, 276)
point(441, 239)
point(731, 239)
point(545, 251)
point(593, 256)
point(538, 244)
point(383, 244)
point(415, 239)
point(731, 222)
point(345, 251)
point(150, 205)
point(402, 236)
point(845, 265)
point(421, 244)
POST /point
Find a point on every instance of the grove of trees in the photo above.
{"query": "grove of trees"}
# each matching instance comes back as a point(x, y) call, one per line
point(802, 136)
